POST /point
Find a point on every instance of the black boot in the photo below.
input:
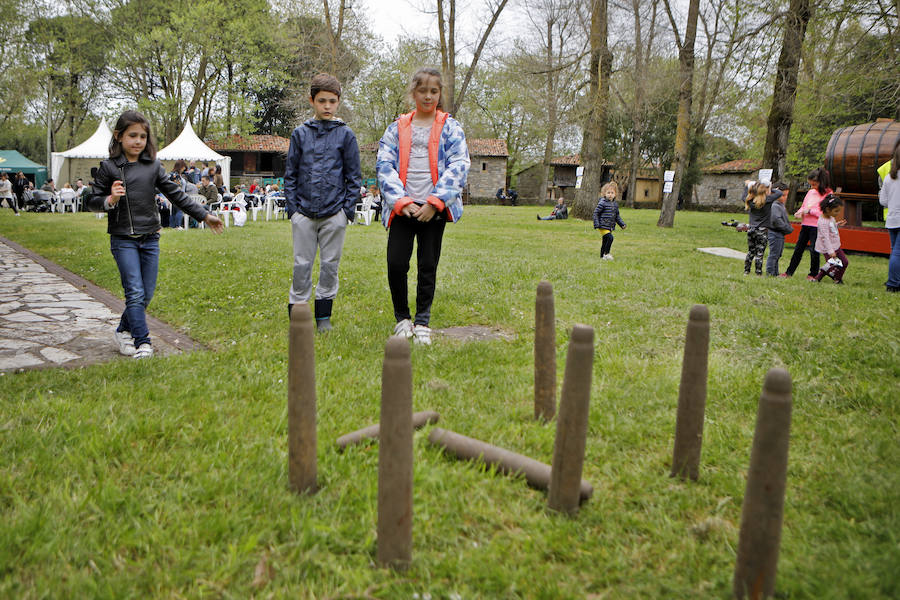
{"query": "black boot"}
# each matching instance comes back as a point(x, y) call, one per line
point(323, 314)
point(290, 306)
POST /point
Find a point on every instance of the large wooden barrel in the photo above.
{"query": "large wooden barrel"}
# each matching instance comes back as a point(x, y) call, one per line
point(854, 153)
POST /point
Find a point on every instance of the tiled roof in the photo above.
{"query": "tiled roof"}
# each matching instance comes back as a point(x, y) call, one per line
point(742, 165)
point(571, 159)
point(476, 147)
point(251, 143)
point(487, 147)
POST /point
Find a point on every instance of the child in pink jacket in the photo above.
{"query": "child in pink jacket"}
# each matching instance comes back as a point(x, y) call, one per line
point(819, 181)
point(828, 241)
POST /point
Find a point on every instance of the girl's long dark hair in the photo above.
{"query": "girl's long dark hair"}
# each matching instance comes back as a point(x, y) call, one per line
point(822, 178)
point(126, 120)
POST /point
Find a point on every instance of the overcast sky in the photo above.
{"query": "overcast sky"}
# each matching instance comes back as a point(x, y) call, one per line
point(394, 18)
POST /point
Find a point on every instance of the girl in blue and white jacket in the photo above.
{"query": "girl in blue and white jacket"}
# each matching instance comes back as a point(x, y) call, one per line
point(422, 166)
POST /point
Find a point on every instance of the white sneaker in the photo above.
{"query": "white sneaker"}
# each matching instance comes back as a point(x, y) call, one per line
point(403, 329)
point(144, 351)
point(608, 257)
point(125, 342)
point(422, 335)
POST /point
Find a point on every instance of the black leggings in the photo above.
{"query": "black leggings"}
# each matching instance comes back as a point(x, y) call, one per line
point(606, 245)
point(401, 234)
point(808, 235)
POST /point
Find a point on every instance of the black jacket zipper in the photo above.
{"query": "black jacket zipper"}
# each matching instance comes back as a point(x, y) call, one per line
point(127, 203)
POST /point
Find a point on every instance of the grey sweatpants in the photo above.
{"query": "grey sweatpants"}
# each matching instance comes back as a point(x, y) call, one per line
point(327, 236)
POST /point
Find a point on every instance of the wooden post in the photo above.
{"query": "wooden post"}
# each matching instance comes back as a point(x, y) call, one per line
point(572, 422)
point(395, 458)
point(544, 353)
point(763, 509)
point(302, 401)
point(692, 396)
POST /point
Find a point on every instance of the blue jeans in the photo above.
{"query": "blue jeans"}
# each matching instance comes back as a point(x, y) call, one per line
point(776, 247)
point(138, 262)
point(894, 263)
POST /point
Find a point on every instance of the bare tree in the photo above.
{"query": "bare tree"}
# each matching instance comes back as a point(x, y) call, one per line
point(642, 53)
point(781, 115)
point(685, 96)
point(446, 13)
point(553, 21)
point(595, 124)
point(335, 31)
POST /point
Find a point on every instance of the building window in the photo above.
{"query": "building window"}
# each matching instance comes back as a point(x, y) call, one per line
point(646, 193)
point(721, 194)
point(484, 166)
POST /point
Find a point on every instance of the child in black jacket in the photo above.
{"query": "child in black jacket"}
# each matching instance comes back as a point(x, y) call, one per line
point(606, 216)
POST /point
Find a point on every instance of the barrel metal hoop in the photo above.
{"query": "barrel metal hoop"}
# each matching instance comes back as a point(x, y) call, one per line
point(844, 152)
point(884, 130)
point(829, 153)
point(859, 156)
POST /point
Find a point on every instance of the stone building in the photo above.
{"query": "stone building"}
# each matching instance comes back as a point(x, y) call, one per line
point(722, 186)
point(487, 173)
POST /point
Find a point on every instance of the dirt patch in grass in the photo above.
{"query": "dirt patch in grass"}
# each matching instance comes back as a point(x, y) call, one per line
point(475, 333)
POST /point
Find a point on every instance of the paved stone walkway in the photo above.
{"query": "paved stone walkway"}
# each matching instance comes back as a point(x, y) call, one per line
point(51, 317)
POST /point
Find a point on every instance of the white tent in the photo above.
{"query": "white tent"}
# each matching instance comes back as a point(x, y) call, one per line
point(77, 162)
point(187, 146)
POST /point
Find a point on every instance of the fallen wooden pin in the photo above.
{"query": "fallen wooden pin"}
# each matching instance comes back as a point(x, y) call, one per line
point(536, 473)
point(419, 420)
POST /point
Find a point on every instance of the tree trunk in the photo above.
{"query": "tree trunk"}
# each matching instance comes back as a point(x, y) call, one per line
point(683, 128)
point(595, 126)
point(637, 110)
point(781, 115)
point(551, 116)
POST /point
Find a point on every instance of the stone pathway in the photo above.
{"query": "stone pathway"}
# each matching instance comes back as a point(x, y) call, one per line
point(724, 252)
point(51, 317)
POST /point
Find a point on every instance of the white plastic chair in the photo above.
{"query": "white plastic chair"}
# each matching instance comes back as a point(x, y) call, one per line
point(199, 199)
point(68, 198)
point(277, 207)
point(364, 211)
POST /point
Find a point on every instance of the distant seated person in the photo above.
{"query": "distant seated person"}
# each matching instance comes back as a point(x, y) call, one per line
point(513, 196)
point(165, 209)
point(376, 201)
point(208, 190)
point(501, 196)
point(49, 187)
point(559, 212)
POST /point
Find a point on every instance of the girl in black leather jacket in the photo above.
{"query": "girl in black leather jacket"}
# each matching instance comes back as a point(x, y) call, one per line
point(125, 188)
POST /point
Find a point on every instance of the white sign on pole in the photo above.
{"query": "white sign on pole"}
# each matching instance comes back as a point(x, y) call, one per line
point(667, 187)
point(579, 171)
point(669, 176)
point(765, 175)
point(578, 181)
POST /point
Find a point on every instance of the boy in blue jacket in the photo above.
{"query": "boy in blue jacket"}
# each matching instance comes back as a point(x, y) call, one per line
point(321, 188)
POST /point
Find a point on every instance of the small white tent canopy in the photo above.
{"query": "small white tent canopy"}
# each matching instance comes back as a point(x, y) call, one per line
point(187, 146)
point(77, 162)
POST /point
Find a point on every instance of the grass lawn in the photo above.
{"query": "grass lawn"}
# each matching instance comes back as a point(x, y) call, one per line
point(168, 478)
